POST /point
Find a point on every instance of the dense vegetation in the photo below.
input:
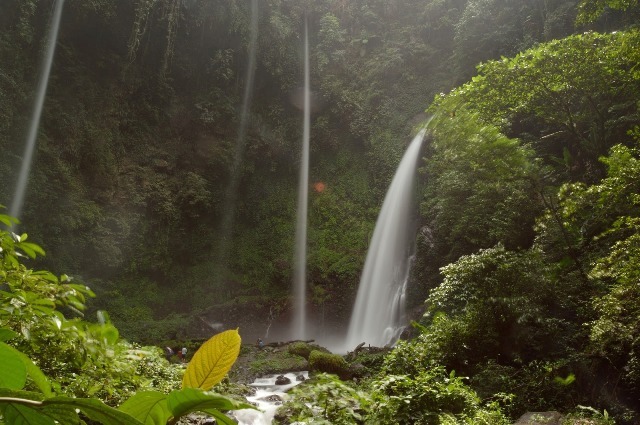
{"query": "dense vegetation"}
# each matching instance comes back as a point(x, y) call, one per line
point(527, 252)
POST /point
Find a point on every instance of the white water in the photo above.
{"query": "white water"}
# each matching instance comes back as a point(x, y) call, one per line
point(228, 219)
point(21, 187)
point(265, 388)
point(299, 328)
point(378, 314)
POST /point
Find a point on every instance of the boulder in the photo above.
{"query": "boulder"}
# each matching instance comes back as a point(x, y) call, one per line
point(540, 418)
point(282, 380)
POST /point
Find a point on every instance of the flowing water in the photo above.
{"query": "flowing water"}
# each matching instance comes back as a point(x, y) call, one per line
point(226, 228)
point(268, 398)
point(378, 314)
point(21, 187)
point(299, 328)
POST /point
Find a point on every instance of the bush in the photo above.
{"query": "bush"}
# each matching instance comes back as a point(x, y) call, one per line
point(324, 399)
point(432, 397)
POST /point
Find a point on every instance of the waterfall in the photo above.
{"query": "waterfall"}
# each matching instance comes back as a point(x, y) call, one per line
point(21, 187)
point(300, 262)
point(378, 314)
point(226, 228)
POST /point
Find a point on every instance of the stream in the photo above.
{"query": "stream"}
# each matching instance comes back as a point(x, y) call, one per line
point(268, 397)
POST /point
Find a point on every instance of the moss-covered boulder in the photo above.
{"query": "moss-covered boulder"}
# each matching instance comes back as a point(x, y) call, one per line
point(321, 361)
point(304, 349)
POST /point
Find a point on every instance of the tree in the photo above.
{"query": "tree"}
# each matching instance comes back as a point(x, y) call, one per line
point(572, 99)
point(590, 10)
point(478, 184)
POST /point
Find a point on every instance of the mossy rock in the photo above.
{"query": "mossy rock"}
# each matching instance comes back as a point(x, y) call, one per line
point(277, 362)
point(330, 363)
point(304, 349)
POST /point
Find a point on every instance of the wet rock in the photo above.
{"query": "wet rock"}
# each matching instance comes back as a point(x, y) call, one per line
point(540, 418)
point(300, 378)
point(274, 398)
point(282, 380)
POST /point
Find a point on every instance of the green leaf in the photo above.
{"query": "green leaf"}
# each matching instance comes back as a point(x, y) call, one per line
point(7, 334)
point(212, 361)
point(95, 410)
point(13, 374)
point(34, 248)
point(26, 395)
point(26, 404)
point(32, 371)
point(8, 220)
point(220, 417)
point(63, 414)
point(149, 407)
point(19, 414)
point(565, 381)
point(187, 400)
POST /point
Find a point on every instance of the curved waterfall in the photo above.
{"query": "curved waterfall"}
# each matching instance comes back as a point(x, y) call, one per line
point(378, 314)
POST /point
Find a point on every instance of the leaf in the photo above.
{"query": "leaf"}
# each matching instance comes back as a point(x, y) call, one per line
point(7, 334)
point(19, 414)
point(565, 381)
point(62, 414)
point(220, 417)
point(95, 410)
point(32, 371)
point(8, 220)
point(149, 407)
point(13, 374)
point(212, 361)
point(187, 400)
point(26, 395)
point(34, 248)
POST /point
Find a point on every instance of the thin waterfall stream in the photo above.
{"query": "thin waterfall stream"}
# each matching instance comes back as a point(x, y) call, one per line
point(230, 200)
point(21, 187)
point(299, 328)
point(378, 314)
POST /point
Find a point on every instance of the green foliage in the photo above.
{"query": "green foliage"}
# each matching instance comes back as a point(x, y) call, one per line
point(430, 397)
point(605, 221)
point(87, 359)
point(594, 416)
point(590, 10)
point(474, 44)
point(478, 191)
point(564, 94)
point(325, 400)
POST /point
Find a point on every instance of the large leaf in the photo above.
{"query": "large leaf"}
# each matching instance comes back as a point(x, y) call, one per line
point(189, 400)
point(7, 334)
point(220, 417)
point(62, 414)
point(13, 374)
point(27, 407)
point(149, 407)
point(20, 394)
point(212, 361)
point(19, 414)
point(32, 370)
point(94, 409)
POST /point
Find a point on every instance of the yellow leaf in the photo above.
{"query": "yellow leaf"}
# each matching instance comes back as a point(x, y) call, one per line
point(212, 361)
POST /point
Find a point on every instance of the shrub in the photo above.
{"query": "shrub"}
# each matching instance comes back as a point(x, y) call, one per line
point(432, 397)
point(324, 399)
